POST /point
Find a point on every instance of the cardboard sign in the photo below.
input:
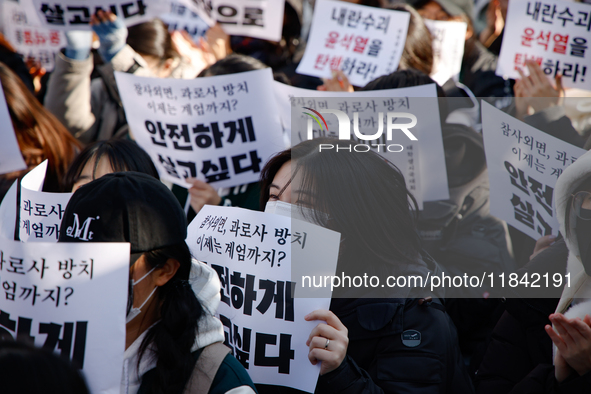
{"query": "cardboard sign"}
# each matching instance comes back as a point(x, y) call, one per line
point(422, 162)
point(70, 299)
point(363, 42)
point(75, 14)
point(448, 49)
point(556, 34)
point(11, 158)
point(255, 254)
point(40, 213)
point(523, 166)
point(220, 129)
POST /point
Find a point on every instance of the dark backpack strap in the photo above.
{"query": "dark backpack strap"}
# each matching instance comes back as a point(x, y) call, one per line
point(206, 367)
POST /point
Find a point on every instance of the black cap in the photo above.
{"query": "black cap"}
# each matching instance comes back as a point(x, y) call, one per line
point(125, 207)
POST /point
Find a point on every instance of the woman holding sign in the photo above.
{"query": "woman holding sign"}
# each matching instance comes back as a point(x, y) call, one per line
point(173, 341)
point(374, 339)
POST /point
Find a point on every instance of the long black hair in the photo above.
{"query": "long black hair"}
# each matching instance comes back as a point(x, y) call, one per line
point(123, 155)
point(174, 335)
point(365, 197)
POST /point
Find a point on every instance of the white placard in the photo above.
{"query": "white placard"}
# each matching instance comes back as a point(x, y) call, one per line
point(523, 166)
point(32, 42)
point(364, 42)
point(69, 298)
point(448, 49)
point(75, 14)
point(252, 253)
point(182, 17)
point(11, 158)
point(40, 213)
point(555, 34)
point(220, 129)
point(252, 18)
point(431, 184)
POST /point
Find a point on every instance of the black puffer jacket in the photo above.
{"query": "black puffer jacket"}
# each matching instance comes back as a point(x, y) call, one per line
point(396, 346)
point(388, 358)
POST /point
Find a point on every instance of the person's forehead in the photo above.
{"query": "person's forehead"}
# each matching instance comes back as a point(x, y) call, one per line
point(284, 174)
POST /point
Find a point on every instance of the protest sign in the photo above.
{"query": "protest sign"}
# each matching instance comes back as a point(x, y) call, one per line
point(70, 299)
point(202, 8)
point(184, 18)
point(448, 49)
point(11, 158)
point(40, 213)
point(364, 42)
point(553, 33)
point(421, 101)
point(32, 42)
point(253, 253)
point(523, 166)
point(219, 129)
point(253, 18)
point(75, 14)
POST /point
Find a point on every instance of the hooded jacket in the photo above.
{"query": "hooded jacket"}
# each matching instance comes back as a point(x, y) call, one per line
point(579, 291)
point(206, 286)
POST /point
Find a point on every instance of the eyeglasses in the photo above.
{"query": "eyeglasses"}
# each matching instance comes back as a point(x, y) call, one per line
point(581, 205)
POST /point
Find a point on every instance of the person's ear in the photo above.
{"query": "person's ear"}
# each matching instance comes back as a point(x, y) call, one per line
point(165, 273)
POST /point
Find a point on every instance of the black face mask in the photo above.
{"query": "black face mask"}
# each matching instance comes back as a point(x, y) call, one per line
point(583, 232)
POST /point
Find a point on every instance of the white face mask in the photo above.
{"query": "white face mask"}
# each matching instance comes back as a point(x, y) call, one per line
point(295, 212)
point(134, 312)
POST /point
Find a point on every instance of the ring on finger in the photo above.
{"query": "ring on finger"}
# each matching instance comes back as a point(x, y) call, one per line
point(326, 344)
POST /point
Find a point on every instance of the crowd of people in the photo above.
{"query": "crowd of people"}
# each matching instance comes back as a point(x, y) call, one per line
point(74, 118)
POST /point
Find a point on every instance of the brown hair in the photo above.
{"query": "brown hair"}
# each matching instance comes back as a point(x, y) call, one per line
point(39, 134)
point(152, 39)
point(418, 47)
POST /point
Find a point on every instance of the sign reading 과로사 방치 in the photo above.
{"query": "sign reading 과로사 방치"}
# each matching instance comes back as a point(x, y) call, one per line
point(220, 129)
point(260, 258)
point(40, 212)
point(69, 298)
point(421, 101)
